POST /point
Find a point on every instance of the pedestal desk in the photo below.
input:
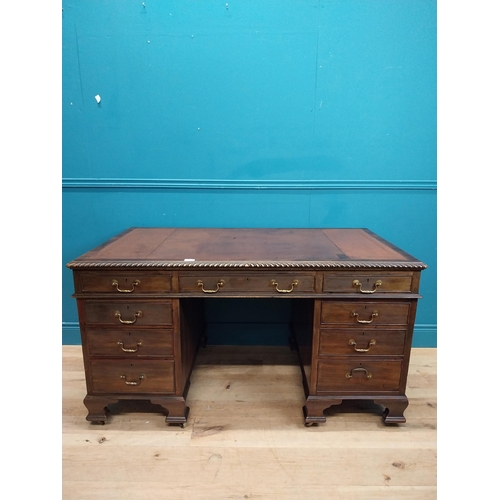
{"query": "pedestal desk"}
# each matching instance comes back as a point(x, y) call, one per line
point(140, 305)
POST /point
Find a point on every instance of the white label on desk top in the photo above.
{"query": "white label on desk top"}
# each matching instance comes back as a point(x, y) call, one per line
point(189, 260)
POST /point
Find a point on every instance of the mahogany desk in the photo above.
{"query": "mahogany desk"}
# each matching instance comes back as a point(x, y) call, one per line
point(354, 298)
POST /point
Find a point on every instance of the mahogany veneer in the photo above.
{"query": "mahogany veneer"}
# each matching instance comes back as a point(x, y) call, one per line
point(354, 298)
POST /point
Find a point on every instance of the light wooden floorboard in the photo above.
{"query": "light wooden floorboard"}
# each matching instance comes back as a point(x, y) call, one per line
point(245, 438)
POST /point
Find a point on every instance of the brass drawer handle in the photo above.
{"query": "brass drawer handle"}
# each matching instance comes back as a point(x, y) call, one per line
point(142, 376)
point(118, 315)
point(367, 373)
point(359, 284)
point(357, 349)
point(124, 349)
point(365, 321)
point(293, 284)
point(134, 284)
point(220, 284)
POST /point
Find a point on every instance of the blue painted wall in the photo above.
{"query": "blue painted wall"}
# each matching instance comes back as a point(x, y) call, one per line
point(250, 113)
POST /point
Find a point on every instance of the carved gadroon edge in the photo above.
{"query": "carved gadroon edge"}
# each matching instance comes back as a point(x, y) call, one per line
point(247, 264)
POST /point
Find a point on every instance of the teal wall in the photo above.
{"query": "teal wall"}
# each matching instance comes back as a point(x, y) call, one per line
point(250, 113)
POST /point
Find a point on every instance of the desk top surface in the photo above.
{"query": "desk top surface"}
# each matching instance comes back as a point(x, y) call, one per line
point(210, 247)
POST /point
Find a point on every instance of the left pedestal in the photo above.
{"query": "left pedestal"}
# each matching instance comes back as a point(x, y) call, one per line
point(132, 344)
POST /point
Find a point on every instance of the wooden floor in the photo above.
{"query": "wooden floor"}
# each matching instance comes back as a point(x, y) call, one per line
point(240, 443)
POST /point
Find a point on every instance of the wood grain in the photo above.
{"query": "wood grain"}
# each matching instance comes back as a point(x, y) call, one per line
point(245, 438)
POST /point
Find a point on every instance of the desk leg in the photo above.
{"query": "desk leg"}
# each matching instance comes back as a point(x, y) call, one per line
point(394, 408)
point(176, 409)
point(97, 408)
point(314, 409)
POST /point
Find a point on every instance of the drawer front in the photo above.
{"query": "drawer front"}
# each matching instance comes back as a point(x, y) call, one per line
point(364, 313)
point(124, 283)
point(132, 314)
point(367, 282)
point(272, 283)
point(360, 342)
point(118, 376)
point(131, 342)
point(353, 375)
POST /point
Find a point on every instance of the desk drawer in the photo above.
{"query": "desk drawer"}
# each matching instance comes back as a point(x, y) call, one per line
point(364, 313)
point(123, 282)
point(273, 283)
point(355, 375)
point(361, 342)
point(367, 282)
point(130, 342)
point(117, 376)
point(130, 314)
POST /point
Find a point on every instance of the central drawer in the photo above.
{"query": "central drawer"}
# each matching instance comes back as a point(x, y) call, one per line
point(130, 313)
point(364, 313)
point(270, 282)
point(355, 375)
point(121, 376)
point(130, 342)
